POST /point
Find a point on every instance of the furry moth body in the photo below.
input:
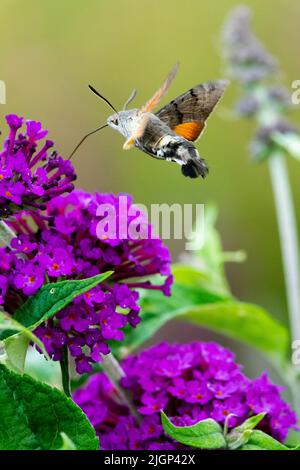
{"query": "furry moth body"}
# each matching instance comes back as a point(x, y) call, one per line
point(159, 141)
point(169, 133)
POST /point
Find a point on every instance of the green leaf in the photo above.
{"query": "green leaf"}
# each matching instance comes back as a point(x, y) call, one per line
point(201, 296)
point(251, 447)
point(240, 435)
point(193, 277)
point(67, 443)
point(33, 416)
point(206, 434)
point(53, 297)
point(250, 423)
point(43, 370)
point(244, 322)
point(16, 350)
point(208, 254)
point(260, 441)
point(50, 299)
point(16, 345)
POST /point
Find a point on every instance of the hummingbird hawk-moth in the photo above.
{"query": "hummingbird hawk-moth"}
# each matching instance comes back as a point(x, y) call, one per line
point(168, 134)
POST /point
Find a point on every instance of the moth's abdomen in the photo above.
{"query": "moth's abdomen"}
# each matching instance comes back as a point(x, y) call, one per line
point(183, 152)
point(195, 168)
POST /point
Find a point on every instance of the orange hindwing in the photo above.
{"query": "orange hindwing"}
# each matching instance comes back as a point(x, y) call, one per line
point(189, 130)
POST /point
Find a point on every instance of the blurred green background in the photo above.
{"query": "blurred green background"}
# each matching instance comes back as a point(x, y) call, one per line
point(51, 50)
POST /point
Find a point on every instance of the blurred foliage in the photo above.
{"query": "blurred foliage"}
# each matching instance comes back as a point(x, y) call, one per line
point(200, 295)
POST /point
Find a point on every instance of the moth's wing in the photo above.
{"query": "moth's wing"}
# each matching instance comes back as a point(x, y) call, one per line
point(148, 107)
point(187, 114)
point(155, 99)
point(143, 120)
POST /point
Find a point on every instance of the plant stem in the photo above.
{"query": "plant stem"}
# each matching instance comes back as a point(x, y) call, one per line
point(115, 372)
point(288, 238)
point(65, 375)
point(6, 233)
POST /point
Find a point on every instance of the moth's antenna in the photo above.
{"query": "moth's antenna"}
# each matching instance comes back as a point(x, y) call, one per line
point(85, 137)
point(102, 98)
point(131, 97)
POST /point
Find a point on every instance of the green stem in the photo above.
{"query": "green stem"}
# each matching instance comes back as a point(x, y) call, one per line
point(288, 238)
point(65, 375)
point(114, 371)
point(290, 256)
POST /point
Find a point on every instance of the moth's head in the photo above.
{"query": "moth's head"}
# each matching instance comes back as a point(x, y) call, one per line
point(113, 121)
point(123, 121)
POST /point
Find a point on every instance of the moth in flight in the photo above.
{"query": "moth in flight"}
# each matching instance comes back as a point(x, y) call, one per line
point(168, 134)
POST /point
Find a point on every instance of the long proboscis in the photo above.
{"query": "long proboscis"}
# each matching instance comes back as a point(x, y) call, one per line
point(99, 128)
point(85, 137)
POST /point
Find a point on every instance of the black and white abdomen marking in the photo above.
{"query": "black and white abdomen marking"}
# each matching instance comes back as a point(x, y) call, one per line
point(161, 142)
point(183, 152)
point(168, 147)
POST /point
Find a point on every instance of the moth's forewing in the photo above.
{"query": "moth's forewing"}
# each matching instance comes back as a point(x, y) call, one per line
point(145, 110)
point(158, 95)
point(187, 113)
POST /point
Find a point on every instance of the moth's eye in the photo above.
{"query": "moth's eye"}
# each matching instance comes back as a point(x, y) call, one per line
point(116, 122)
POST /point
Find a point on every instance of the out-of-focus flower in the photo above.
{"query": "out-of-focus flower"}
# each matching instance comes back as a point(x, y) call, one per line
point(64, 245)
point(253, 67)
point(276, 97)
point(247, 106)
point(248, 61)
point(29, 175)
point(190, 382)
point(264, 143)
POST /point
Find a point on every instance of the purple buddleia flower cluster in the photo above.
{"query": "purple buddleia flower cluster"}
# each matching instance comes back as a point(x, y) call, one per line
point(29, 175)
point(190, 382)
point(63, 244)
